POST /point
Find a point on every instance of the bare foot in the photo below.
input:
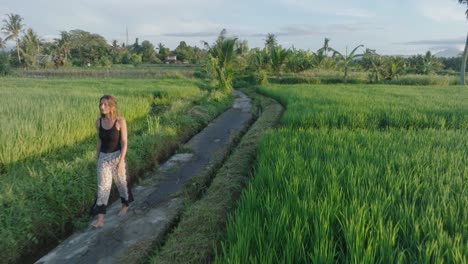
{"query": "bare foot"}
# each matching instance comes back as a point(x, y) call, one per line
point(97, 224)
point(123, 210)
point(99, 221)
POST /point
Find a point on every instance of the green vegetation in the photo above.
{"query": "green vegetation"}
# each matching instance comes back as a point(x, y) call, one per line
point(372, 107)
point(225, 60)
point(221, 61)
point(197, 237)
point(47, 146)
point(357, 174)
point(116, 71)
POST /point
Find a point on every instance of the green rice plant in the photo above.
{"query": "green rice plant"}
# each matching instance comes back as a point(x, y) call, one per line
point(415, 79)
point(371, 107)
point(107, 72)
point(357, 174)
point(50, 114)
point(354, 196)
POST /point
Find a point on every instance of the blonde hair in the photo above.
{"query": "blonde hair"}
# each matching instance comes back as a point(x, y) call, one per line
point(112, 103)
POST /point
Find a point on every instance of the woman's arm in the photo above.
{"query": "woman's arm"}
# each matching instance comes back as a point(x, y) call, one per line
point(98, 147)
point(123, 140)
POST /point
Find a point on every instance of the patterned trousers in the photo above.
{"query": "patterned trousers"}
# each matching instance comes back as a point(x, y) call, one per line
point(106, 171)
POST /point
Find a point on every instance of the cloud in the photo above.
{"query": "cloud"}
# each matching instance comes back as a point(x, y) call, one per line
point(311, 30)
point(50, 38)
point(355, 12)
point(346, 9)
point(436, 42)
point(441, 11)
point(171, 27)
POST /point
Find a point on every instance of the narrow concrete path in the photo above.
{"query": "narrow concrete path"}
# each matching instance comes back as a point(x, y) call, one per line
point(155, 209)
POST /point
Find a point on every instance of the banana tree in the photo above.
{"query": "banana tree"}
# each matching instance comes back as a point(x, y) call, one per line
point(345, 60)
point(465, 51)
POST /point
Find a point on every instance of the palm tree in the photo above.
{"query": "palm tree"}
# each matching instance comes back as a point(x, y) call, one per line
point(278, 56)
point(259, 59)
point(242, 47)
point(30, 47)
point(222, 55)
point(64, 44)
point(465, 52)
point(346, 59)
point(430, 64)
point(270, 41)
point(320, 58)
point(163, 52)
point(393, 67)
point(2, 43)
point(375, 64)
point(13, 27)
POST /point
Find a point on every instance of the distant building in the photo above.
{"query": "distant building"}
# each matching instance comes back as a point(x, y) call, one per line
point(171, 58)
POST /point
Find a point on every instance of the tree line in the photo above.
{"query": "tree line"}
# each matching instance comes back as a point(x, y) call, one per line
point(81, 48)
point(224, 58)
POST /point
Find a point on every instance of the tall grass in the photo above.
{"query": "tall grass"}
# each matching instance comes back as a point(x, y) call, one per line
point(129, 71)
point(48, 141)
point(359, 77)
point(326, 196)
point(38, 116)
point(358, 174)
point(372, 106)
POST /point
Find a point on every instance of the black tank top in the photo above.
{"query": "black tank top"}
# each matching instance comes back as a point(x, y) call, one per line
point(110, 138)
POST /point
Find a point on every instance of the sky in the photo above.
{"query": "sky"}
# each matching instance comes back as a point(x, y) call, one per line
point(395, 27)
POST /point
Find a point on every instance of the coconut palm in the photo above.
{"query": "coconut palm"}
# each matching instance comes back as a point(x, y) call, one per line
point(465, 51)
point(320, 58)
point(345, 60)
point(278, 56)
point(270, 41)
point(30, 47)
point(242, 47)
point(12, 28)
point(393, 67)
point(375, 64)
point(259, 59)
point(2, 43)
point(222, 55)
point(429, 64)
point(64, 44)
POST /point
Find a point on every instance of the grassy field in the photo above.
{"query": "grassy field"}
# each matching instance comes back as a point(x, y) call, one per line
point(48, 141)
point(116, 71)
point(358, 174)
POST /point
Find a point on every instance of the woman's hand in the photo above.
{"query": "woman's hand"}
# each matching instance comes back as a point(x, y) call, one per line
point(120, 167)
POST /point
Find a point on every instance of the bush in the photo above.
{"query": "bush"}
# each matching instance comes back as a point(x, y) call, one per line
point(5, 67)
point(200, 74)
point(261, 77)
point(294, 80)
point(244, 81)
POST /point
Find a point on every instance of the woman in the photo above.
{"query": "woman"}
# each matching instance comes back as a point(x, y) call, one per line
point(111, 150)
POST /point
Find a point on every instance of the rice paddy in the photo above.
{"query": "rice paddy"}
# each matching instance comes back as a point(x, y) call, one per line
point(48, 146)
point(358, 174)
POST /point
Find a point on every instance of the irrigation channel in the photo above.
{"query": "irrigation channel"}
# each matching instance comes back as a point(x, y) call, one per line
point(156, 208)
